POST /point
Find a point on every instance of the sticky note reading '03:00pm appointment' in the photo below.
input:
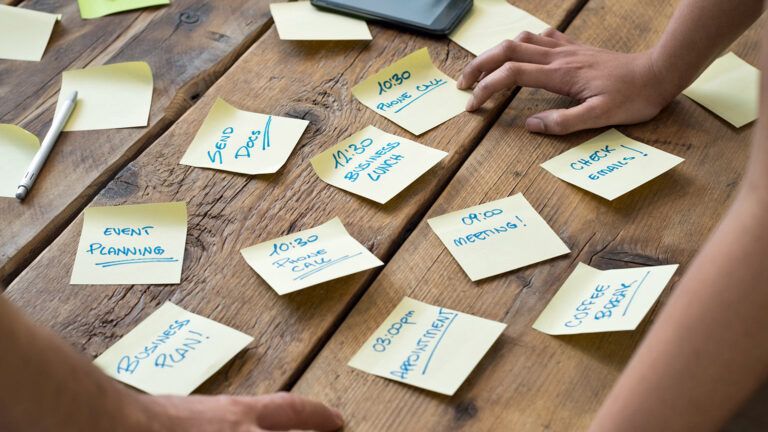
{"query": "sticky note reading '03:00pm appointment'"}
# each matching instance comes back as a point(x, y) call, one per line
point(427, 346)
point(593, 300)
point(496, 237)
point(131, 244)
point(302, 21)
point(611, 164)
point(24, 33)
point(309, 257)
point(17, 148)
point(413, 93)
point(171, 352)
point(98, 8)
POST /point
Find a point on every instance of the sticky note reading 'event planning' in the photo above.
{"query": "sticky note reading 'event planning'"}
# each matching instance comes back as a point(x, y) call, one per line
point(302, 21)
point(375, 164)
point(24, 33)
point(496, 237)
point(309, 257)
point(171, 352)
point(242, 141)
point(17, 147)
point(611, 164)
point(729, 87)
point(427, 346)
point(593, 300)
point(99, 8)
point(490, 22)
point(413, 93)
point(131, 244)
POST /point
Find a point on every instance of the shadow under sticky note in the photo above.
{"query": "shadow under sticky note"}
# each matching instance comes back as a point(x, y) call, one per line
point(90, 9)
point(24, 33)
point(17, 148)
point(302, 21)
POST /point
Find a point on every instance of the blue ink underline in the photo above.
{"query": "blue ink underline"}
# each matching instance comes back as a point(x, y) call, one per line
point(324, 266)
point(417, 97)
point(135, 261)
point(429, 359)
point(635, 292)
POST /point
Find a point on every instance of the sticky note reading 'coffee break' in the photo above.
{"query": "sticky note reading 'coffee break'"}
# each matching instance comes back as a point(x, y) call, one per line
point(593, 300)
point(301, 20)
point(427, 346)
point(17, 147)
point(171, 352)
point(24, 33)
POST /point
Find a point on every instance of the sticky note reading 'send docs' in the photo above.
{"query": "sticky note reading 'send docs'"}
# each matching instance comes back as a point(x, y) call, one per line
point(375, 164)
point(413, 93)
point(309, 257)
point(24, 33)
point(427, 346)
point(17, 147)
point(240, 141)
point(729, 87)
point(593, 300)
point(131, 244)
point(98, 8)
point(611, 164)
point(302, 21)
point(171, 352)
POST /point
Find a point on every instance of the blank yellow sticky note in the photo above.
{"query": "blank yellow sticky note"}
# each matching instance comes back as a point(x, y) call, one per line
point(413, 93)
point(490, 22)
point(24, 33)
point(427, 346)
point(17, 148)
point(171, 352)
point(240, 141)
point(302, 21)
point(729, 87)
point(309, 257)
point(98, 8)
point(131, 244)
point(498, 236)
point(108, 97)
point(375, 164)
point(611, 164)
point(592, 300)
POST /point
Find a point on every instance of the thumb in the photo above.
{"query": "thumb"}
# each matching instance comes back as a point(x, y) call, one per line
point(588, 115)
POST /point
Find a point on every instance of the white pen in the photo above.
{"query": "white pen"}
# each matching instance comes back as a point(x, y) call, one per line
point(59, 120)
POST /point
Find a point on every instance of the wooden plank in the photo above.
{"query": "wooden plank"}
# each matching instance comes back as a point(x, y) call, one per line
point(188, 44)
point(530, 381)
point(310, 80)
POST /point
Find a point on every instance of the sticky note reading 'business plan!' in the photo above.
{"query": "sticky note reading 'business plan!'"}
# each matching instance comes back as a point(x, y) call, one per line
point(593, 300)
point(496, 237)
point(171, 352)
point(375, 164)
point(611, 164)
point(24, 33)
point(131, 244)
point(17, 147)
point(309, 257)
point(413, 93)
point(302, 21)
point(427, 346)
point(98, 8)
point(240, 141)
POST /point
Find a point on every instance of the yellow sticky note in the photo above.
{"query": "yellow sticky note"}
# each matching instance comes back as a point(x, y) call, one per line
point(108, 97)
point(413, 93)
point(17, 148)
point(131, 244)
point(427, 346)
point(490, 22)
point(171, 352)
point(498, 236)
point(24, 33)
point(98, 8)
point(302, 21)
point(309, 257)
point(611, 164)
point(240, 141)
point(593, 300)
point(375, 164)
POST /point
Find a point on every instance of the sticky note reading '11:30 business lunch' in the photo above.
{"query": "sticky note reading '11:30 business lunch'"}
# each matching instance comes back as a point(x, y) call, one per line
point(497, 237)
point(375, 164)
point(17, 147)
point(593, 300)
point(98, 8)
point(302, 21)
point(309, 257)
point(131, 244)
point(171, 352)
point(413, 93)
point(427, 346)
point(611, 164)
point(24, 33)
point(234, 140)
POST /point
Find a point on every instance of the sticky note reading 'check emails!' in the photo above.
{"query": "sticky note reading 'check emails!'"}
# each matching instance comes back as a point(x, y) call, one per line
point(240, 141)
point(611, 164)
point(301, 20)
point(497, 237)
point(171, 352)
point(427, 346)
point(309, 257)
point(375, 164)
point(413, 93)
point(131, 244)
point(593, 300)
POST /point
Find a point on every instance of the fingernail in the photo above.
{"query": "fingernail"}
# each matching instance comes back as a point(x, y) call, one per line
point(471, 104)
point(460, 83)
point(535, 125)
point(337, 415)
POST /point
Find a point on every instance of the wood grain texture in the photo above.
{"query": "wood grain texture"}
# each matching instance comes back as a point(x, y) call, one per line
point(530, 381)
